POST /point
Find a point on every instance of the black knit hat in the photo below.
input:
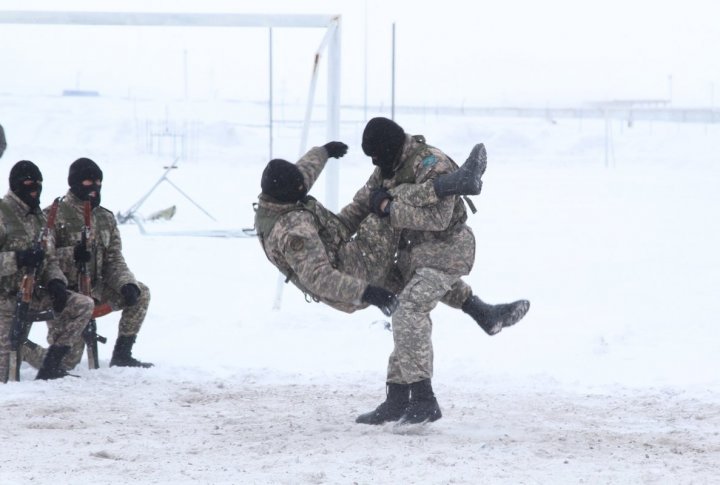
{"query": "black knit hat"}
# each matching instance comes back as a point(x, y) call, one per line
point(382, 140)
point(23, 170)
point(382, 136)
point(283, 181)
point(83, 169)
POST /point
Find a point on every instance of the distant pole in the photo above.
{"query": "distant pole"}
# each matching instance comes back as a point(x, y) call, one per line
point(185, 74)
point(670, 88)
point(392, 88)
point(365, 94)
point(270, 98)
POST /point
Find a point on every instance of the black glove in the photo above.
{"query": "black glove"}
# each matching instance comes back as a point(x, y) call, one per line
point(58, 294)
point(336, 149)
point(30, 258)
point(377, 196)
point(81, 254)
point(381, 298)
point(131, 293)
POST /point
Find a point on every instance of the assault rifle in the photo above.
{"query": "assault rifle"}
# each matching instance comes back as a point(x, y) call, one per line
point(23, 318)
point(89, 334)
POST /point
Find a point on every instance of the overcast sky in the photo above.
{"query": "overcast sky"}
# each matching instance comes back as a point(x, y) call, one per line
point(556, 52)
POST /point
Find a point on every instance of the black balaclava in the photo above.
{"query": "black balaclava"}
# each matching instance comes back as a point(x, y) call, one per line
point(382, 140)
point(85, 169)
point(283, 181)
point(26, 170)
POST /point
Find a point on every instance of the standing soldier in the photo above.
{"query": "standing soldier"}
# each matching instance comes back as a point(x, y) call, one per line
point(111, 280)
point(21, 223)
point(436, 249)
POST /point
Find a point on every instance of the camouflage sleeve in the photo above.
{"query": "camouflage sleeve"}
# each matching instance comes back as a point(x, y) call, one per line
point(8, 261)
point(312, 164)
point(356, 211)
point(115, 271)
point(416, 206)
point(306, 255)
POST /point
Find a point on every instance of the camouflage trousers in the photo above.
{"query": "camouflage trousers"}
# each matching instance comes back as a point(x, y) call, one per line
point(431, 271)
point(65, 329)
point(131, 320)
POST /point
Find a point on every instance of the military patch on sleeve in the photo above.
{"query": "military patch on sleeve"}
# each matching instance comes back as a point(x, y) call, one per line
point(296, 243)
point(429, 161)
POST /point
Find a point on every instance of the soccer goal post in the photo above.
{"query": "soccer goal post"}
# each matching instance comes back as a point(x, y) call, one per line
point(330, 43)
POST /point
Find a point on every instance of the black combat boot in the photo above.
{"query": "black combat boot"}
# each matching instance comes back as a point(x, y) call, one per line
point(51, 364)
point(423, 405)
point(122, 354)
point(466, 179)
point(493, 318)
point(398, 397)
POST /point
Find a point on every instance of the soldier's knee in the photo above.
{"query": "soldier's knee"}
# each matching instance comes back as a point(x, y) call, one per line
point(144, 292)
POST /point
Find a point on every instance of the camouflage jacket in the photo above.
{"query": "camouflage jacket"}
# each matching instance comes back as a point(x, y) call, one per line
point(415, 206)
point(107, 267)
point(303, 240)
point(19, 229)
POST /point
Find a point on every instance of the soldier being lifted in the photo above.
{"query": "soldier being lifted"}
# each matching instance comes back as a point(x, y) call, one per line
point(21, 222)
point(112, 282)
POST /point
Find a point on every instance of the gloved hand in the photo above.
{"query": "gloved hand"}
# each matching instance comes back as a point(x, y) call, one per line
point(81, 254)
point(377, 196)
point(130, 293)
point(381, 298)
point(58, 294)
point(336, 149)
point(30, 258)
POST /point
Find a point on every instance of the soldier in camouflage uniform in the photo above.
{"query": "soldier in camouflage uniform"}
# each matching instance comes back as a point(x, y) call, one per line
point(112, 281)
point(312, 248)
point(21, 223)
point(436, 249)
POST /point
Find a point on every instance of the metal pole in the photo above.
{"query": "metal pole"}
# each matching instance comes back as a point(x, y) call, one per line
point(392, 88)
point(185, 74)
point(270, 97)
point(332, 171)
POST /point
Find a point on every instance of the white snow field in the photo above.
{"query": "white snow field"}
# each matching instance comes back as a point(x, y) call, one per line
point(612, 377)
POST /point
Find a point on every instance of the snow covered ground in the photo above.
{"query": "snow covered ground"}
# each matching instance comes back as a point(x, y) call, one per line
point(611, 378)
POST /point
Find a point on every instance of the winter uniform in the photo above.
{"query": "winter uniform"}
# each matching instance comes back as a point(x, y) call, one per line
point(110, 276)
point(315, 250)
point(436, 249)
point(20, 226)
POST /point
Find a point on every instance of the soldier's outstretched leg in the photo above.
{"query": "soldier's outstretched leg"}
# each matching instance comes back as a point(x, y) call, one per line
point(467, 179)
point(398, 398)
point(493, 318)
